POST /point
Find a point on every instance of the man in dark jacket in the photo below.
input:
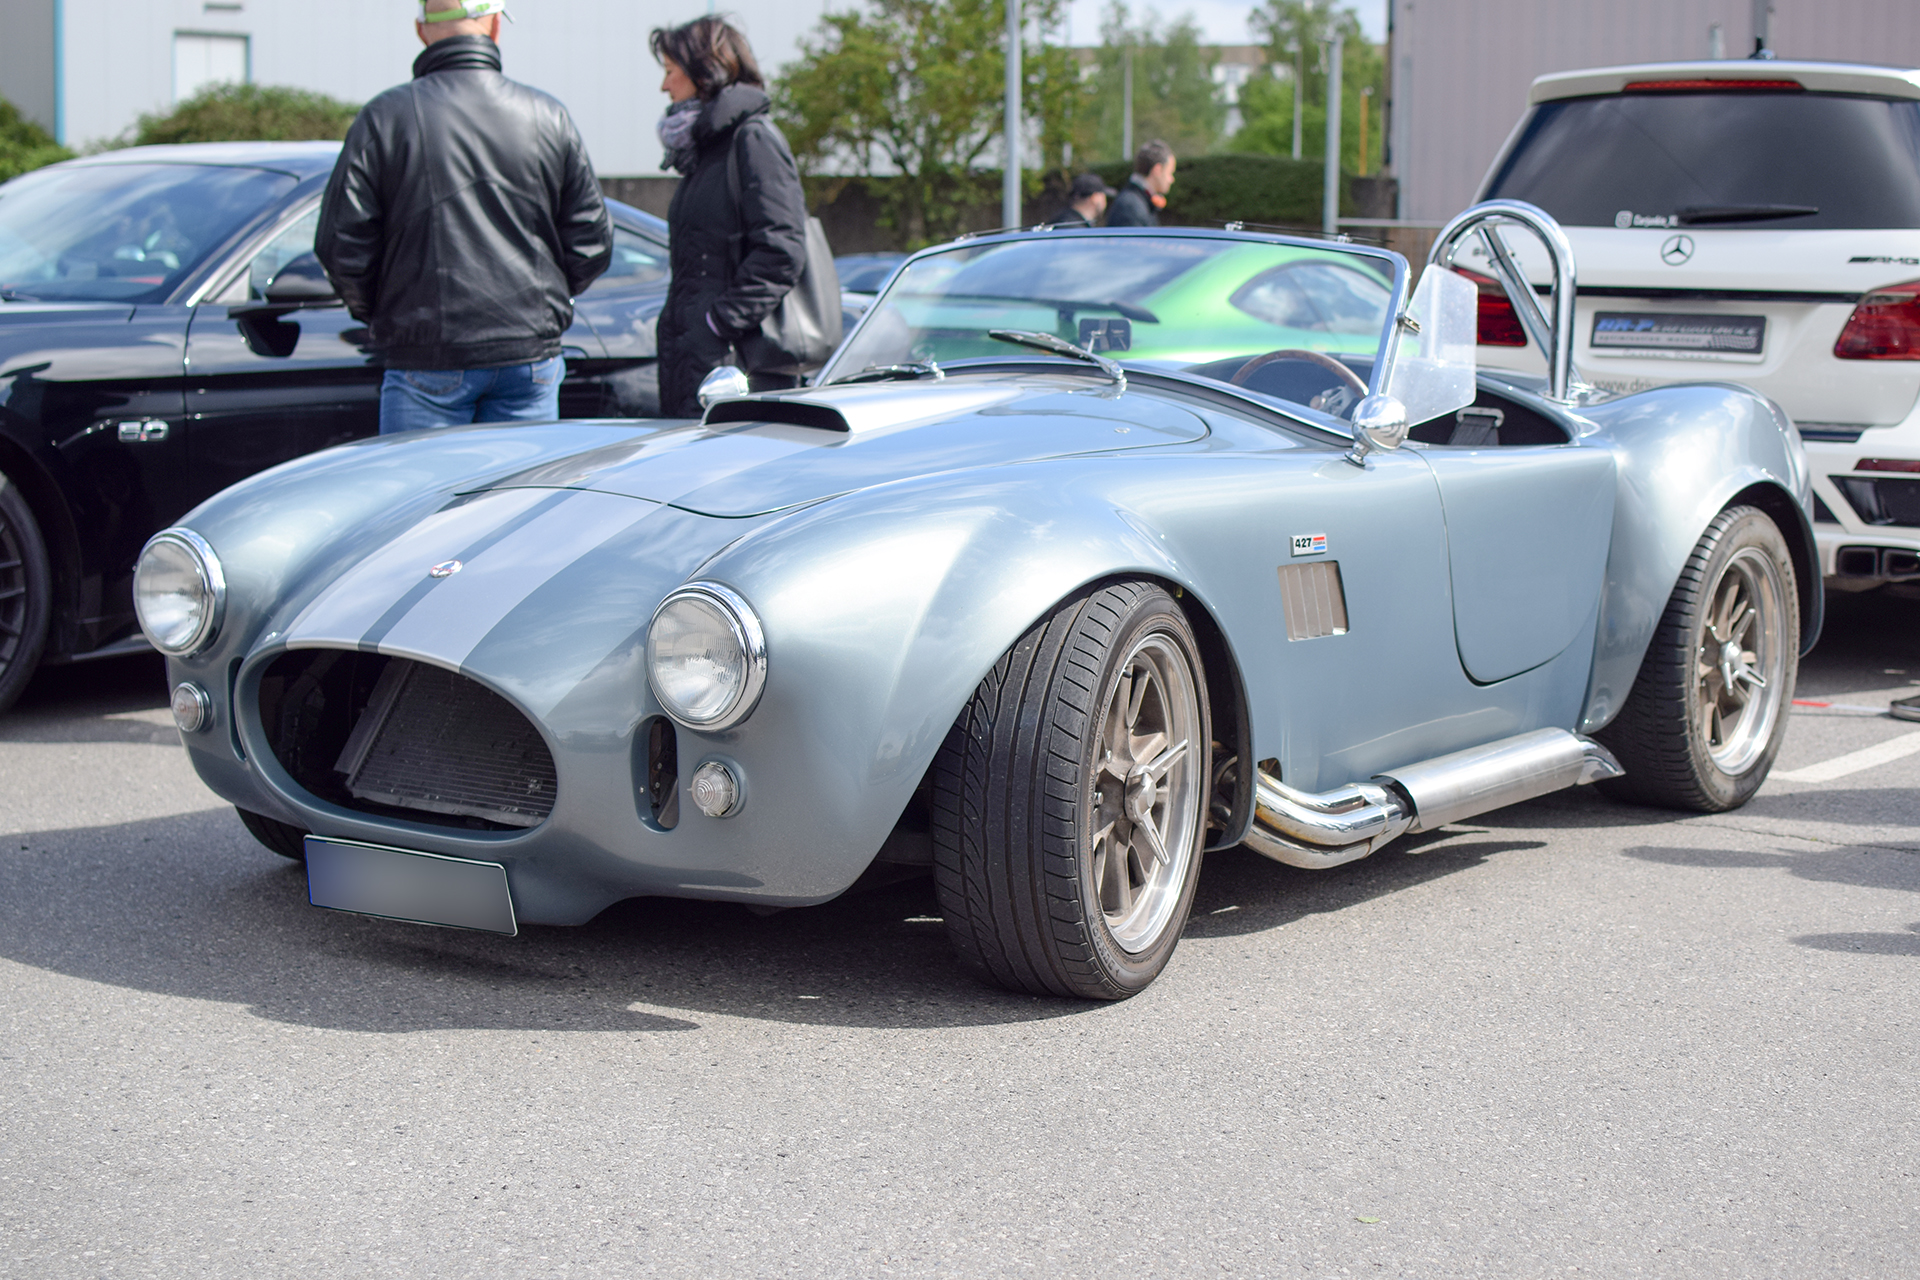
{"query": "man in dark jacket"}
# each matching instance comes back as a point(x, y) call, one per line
point(1139, 202)
point(461, 220)
point(1086, 202)
point(738, 225)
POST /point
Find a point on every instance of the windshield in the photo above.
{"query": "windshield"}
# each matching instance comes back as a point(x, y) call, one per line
point(1758, 159)
point(122, 232)
point(1298, 322)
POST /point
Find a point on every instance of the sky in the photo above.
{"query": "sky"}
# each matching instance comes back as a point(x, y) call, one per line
point(1221, 21)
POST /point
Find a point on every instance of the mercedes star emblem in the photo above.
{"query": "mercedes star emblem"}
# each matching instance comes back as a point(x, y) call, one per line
point(445, 569)
point(1676, 250)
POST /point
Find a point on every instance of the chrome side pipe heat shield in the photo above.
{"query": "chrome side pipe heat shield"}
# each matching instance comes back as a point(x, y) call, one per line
point(1313, 831)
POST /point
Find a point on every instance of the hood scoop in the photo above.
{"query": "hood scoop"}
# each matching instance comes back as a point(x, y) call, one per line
point(795, 413)
point(766, 453)
point(861, 410)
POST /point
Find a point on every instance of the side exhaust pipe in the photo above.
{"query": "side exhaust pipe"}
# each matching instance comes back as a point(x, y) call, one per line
point(1313, 831)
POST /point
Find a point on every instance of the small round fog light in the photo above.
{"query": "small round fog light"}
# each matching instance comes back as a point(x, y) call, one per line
point(192, 708)
point(716, 792)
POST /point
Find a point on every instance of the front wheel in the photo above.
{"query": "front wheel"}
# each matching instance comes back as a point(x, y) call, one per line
point(1069, 800)
point(283, 838)
point(1709, 709)
point(26, 593)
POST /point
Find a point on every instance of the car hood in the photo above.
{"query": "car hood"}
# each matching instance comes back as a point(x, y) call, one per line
point(784, 451)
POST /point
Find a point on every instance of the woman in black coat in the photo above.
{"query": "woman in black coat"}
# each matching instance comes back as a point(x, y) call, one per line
point(738, 221)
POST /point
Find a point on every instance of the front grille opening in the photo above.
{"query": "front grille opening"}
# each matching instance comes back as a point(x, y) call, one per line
point(404, 739)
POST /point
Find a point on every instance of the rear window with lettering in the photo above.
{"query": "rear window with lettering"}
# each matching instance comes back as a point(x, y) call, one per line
point(1759, 159)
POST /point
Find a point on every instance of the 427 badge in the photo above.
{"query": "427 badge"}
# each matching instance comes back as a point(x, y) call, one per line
point(1309, 544)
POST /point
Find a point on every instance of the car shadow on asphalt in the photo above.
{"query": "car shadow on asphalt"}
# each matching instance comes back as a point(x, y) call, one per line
point(190, 906)
point(1858, 866)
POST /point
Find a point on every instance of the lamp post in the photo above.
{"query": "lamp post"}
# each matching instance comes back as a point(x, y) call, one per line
point(1010, 175)
point(1330, 198)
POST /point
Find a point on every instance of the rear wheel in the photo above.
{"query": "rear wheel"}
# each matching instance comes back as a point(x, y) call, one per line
point(26, 593)
point(1707, 714)
point(283, 838)
point(1070, 797)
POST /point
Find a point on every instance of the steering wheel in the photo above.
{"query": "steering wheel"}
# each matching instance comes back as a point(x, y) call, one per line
point(1325, 361)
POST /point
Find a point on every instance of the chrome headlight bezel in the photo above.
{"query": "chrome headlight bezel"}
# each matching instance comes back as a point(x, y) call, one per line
point(747, 635)
point(213, 591)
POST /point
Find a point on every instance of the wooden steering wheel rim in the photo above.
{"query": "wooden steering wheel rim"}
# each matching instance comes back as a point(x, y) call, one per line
point(1320, 358)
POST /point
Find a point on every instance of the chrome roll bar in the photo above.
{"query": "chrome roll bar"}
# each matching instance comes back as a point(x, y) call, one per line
point(1553, 336)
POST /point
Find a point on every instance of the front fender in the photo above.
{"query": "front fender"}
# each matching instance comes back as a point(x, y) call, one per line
point(1685, 453)
point(883, 611)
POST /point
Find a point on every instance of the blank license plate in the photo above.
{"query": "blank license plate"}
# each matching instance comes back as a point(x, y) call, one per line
point(422, 888)
point(1680, 335)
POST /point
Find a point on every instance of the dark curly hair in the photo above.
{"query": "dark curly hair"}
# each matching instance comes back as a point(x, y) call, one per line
point(711, 51)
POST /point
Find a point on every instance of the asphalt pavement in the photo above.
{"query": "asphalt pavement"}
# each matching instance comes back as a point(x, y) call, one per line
point(1569, 1037)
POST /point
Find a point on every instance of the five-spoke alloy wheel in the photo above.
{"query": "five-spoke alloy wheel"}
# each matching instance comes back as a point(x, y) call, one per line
point(1069, 800)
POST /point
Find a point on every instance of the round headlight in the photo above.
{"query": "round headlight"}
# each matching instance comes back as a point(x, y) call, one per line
point(179, 592)
point(706, 656)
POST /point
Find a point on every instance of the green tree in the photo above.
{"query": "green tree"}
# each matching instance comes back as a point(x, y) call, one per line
point(915, 87)
point(1266, 102)
point(24, 145)
point(1174, 97)
point(247, 113)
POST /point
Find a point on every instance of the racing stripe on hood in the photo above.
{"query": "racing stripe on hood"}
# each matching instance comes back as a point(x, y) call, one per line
point(496, 579)
point(369, 601)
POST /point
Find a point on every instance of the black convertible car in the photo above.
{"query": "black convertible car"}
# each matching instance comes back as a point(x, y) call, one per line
point(166, 331)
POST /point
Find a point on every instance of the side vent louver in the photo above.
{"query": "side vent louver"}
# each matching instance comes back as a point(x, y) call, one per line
point(1316, 605)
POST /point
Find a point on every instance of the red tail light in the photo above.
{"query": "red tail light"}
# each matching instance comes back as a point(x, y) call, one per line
point(1673, 86)
point(1887, 464)
point(1885, 326)
point(1499, 325)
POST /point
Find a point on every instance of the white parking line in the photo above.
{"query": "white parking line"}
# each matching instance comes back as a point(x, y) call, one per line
point(1854, 761)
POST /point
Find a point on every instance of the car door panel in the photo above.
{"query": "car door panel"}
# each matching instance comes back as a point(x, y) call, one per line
point(107, 397)
point(1527, 536)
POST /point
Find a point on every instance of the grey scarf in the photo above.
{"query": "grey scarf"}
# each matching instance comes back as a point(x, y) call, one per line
point(676, 134)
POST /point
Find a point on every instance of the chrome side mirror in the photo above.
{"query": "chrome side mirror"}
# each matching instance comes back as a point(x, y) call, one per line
point(724, 383)
point(1379, 422)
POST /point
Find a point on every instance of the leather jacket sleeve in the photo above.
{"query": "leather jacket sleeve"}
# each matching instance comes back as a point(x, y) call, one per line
point(773, 218)
point(585, 227)
point(352, 218)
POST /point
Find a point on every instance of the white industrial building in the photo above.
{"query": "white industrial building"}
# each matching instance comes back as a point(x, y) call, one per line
point(86, 69)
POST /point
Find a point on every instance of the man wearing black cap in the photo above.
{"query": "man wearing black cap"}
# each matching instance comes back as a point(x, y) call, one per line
point(1086, 201)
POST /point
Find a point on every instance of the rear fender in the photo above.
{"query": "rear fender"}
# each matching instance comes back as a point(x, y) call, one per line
point(1685, 454)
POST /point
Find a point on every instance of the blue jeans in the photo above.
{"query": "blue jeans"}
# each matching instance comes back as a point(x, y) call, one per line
point(414, 399)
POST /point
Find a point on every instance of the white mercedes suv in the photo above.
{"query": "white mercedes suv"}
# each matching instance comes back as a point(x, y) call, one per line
point(1753, 222)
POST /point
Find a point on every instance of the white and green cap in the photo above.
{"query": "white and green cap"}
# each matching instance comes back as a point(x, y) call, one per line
point(454, 10)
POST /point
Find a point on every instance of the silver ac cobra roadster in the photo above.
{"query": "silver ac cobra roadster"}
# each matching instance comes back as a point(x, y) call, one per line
point(1087, 552)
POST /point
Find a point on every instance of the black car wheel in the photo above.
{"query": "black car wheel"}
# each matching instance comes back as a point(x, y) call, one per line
point(283, 838)
point(1069, 800)
point(1709, 709)
point(26, 593)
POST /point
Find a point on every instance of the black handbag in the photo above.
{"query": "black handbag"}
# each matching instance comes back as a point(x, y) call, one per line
point(798, 335)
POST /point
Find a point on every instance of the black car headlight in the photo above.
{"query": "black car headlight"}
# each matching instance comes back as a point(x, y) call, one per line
point(706, 656)
point(179, 592)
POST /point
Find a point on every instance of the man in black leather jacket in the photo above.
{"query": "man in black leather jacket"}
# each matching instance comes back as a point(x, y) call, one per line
point(461, 220)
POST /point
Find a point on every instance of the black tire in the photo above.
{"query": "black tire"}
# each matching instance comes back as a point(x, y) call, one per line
point(1034, 841)
point(1680, 747)
point(283, 838)
point(26, 593)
